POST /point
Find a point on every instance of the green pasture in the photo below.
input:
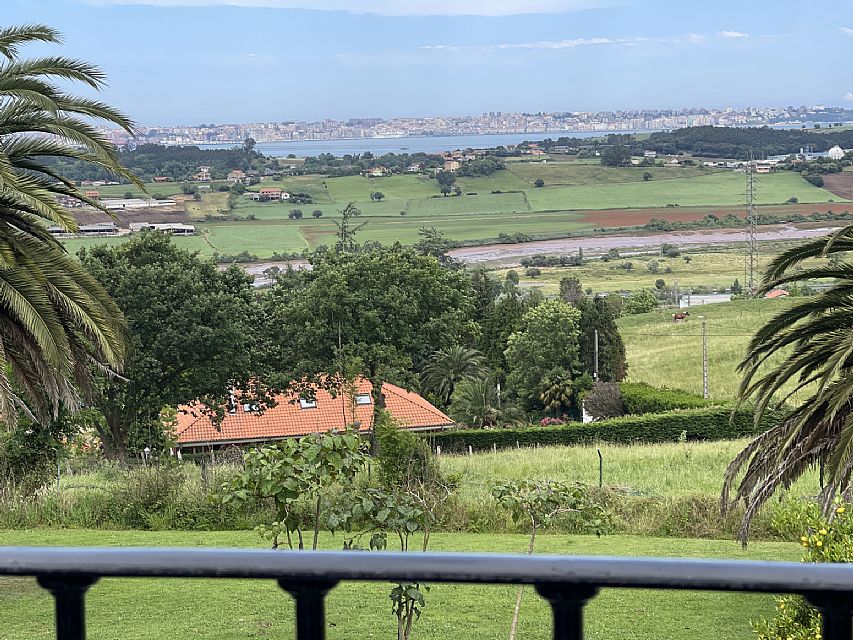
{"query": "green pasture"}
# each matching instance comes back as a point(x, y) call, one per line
point(716, 270)
point(722, 188)
point(148, 609)
point(671, 470)
point(574, 174)
point(667, 354)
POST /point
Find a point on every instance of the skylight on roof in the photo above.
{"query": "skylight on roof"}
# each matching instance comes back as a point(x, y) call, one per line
point(362, 398)
point(307, 404)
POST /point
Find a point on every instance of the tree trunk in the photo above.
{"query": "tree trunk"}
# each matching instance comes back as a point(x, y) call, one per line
point(114, 437)
point(316, 524)
point(376, 382)
point(514, 626)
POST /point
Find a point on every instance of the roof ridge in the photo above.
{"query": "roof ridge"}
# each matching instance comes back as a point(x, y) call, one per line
point(428, 406)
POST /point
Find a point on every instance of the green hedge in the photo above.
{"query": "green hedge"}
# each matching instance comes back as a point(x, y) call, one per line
point(714, 423)
point(640, 398)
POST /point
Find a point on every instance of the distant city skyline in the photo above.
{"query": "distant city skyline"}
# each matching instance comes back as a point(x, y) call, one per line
point(182, 62)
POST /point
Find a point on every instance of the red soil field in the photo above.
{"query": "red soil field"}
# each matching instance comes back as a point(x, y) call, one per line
point(841, 184)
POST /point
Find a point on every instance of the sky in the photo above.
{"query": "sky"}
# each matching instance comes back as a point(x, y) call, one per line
point(175, 62)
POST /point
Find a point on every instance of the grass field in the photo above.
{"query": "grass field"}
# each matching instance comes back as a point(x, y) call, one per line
point(665, 354)
point(577, 196)
point(225, 610)
point(712, 269)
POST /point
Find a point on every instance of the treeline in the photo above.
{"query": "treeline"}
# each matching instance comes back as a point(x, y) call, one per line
point(485, 350)
point(355, 164)
point(177, 163)
point(715, 142)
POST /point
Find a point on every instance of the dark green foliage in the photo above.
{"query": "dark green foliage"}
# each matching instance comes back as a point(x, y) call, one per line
point(404, 458)
point(178, 163)
point(191, 327)
point(597, 313)
point(616, 156)
point(714, 423)
point(30, 452)
point(640, 398)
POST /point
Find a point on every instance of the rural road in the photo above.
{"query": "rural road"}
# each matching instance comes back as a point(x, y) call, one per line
point(600, 244)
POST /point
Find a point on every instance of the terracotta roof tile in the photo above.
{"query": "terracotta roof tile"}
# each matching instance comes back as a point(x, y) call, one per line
point(288, 418)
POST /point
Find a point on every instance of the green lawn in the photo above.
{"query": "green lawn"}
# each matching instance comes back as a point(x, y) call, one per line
point(146, 609)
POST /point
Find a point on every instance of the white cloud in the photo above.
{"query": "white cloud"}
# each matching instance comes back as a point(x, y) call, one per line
point(389, 7)
point(733, 35)
point(574, 43)
point(846, 31)
point(849, 96)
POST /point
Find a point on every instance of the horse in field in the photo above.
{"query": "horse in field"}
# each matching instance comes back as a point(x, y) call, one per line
point(681, 316)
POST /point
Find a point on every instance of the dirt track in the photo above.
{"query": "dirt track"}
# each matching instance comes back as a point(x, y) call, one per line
point(600, 244)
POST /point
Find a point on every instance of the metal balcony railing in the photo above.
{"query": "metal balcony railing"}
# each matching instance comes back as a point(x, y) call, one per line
point(568, 583)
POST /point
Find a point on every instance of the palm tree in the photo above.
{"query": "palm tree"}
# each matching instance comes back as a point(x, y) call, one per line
point(476, 404)
point(448, 367)
point(57, 323)
point(815, 338)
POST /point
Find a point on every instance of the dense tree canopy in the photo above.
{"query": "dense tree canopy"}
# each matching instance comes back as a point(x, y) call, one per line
point(193, 334)
point(547, 341)
point(381, 314)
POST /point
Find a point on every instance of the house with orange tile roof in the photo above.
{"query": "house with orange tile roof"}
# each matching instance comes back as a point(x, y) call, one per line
point(293, 416)
point(777, 293)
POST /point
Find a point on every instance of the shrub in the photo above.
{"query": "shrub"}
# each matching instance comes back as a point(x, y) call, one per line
point(604, 401)
point(713, 423)
point(822, 541)
point(640, 398)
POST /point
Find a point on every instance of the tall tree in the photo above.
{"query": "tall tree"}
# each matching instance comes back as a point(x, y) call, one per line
point(546, 343)
point(597, 314)
point(193, 334)
point(803, 349)
point(346, 230)
point(571, 290)
point(56, 320)
point(381, 312)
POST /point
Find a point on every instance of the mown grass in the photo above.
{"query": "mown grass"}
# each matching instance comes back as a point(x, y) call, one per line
point(147, 609)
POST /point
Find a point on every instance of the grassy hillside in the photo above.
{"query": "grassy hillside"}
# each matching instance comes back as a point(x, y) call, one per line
point(665, 354)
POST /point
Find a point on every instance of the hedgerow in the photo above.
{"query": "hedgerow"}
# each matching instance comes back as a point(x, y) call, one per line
point(713, 423)
point(640, 398)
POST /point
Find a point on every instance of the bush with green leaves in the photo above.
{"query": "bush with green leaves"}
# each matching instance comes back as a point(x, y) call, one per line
point(640, 398)
point(297, 475)
point(538, 503)
point(641, 301)
point(823, 540)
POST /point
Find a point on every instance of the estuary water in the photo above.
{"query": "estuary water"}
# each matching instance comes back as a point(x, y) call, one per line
point(425, 144)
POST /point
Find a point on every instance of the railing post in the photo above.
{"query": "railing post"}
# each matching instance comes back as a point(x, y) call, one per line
point(567, 603)
point(310, 606)
point(69, 599)
point(836, 618)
